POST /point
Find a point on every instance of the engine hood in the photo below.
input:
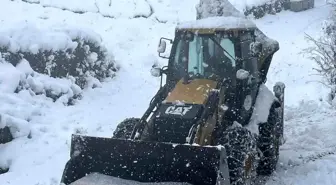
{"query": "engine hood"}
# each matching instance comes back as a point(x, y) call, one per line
point(181, 109)
point(195, 92)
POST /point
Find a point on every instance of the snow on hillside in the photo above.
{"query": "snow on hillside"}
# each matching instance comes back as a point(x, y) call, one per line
point(131, 31)
point(308, 155)
point(289, 64)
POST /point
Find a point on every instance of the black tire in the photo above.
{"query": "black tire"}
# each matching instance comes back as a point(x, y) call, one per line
point(269, 143)
point(125, 128)
point(240, 145)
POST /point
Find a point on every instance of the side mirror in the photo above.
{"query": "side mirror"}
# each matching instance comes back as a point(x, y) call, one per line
point(156, 71)
point(162, 46)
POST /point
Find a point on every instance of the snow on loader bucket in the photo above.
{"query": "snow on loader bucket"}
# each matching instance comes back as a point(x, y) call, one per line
point(145, 161)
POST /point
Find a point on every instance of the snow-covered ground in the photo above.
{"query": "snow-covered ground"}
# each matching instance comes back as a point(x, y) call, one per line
point(131, 31)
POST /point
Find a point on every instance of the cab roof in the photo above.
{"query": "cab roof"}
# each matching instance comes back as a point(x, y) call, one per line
point(218, 24)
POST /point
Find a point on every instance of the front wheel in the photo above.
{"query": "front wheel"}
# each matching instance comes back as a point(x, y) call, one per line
point(241, 152)
point(125, 128)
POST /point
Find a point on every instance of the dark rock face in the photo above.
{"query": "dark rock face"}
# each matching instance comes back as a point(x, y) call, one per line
point(5, 136)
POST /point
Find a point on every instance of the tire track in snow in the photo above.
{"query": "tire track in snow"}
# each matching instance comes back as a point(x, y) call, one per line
point(311, 158)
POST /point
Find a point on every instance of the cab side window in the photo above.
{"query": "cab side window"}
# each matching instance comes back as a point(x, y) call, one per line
point(228, 45)
point(196, 56)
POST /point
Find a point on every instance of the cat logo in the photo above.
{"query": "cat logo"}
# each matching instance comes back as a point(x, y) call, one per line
point(181, 111)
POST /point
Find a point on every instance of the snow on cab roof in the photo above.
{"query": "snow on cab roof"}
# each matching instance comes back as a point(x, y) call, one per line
point(225, 23)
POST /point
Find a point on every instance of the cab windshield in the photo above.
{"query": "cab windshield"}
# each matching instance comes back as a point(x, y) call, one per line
point(205, 56)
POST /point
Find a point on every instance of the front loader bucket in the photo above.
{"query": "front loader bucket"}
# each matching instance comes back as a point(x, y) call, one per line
point(146, 161)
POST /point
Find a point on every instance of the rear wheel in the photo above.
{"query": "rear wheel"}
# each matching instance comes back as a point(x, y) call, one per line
point(241, 151)
point(125, 128)
point(269, 143)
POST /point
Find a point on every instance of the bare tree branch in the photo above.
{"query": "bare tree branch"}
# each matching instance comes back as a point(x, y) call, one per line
point(323, 53)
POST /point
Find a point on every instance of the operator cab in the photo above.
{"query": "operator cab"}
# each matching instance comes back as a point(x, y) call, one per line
point(215, 52)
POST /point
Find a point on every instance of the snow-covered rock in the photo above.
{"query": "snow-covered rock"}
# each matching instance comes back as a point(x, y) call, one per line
point(254, 8)
point(23, 78)
point(21, 90)
point(211, 8)
point(9, 77)
point(17, 126)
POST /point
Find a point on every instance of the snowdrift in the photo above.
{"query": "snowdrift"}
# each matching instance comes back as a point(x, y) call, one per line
point(42, 66)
